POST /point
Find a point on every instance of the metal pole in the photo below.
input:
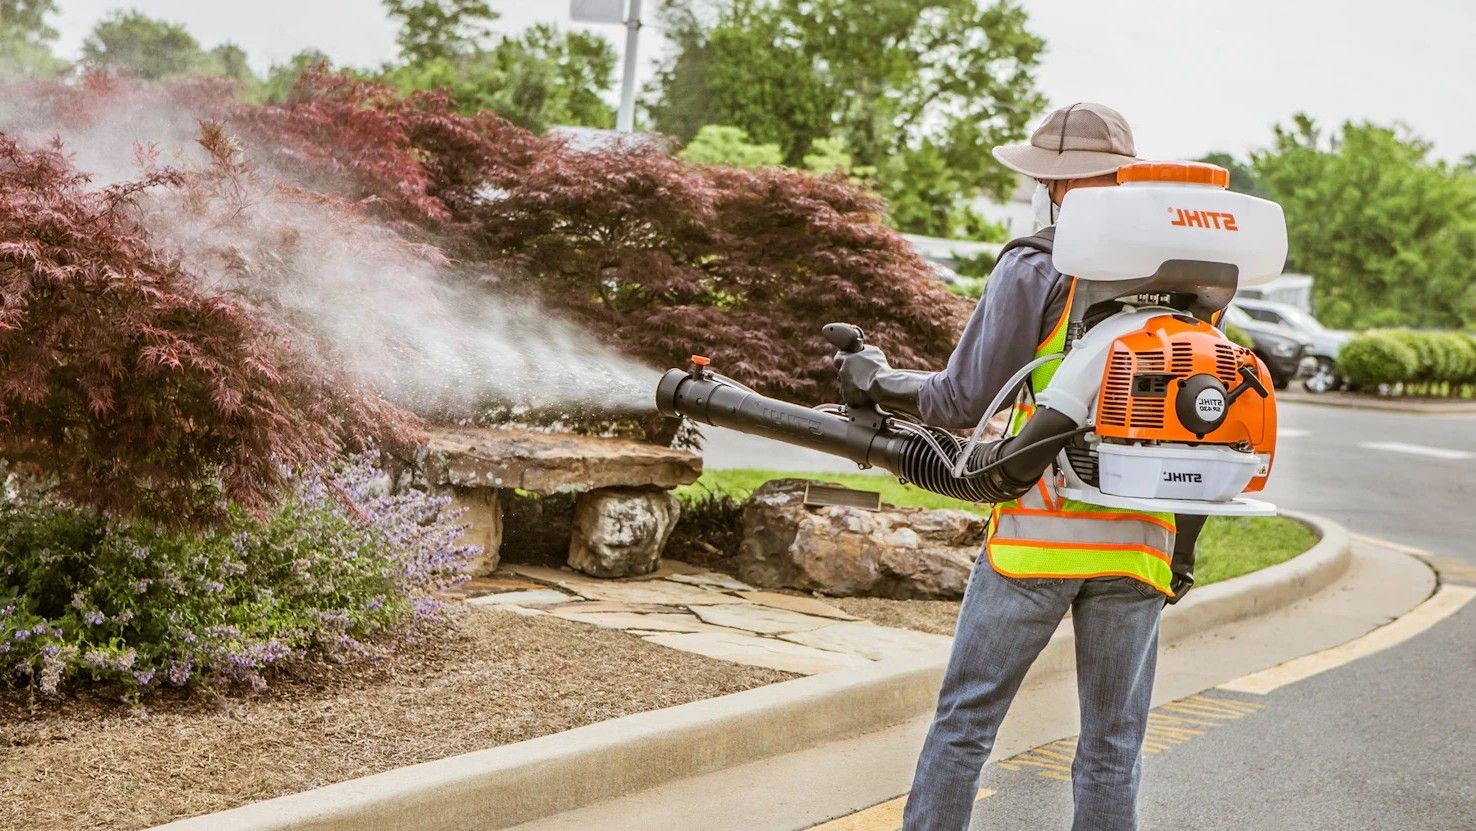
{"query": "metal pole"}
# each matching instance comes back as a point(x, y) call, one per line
point(625, 118)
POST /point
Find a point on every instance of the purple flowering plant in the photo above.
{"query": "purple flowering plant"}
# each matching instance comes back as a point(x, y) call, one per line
point(338, 569)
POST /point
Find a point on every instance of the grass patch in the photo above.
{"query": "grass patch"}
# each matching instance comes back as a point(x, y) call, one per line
point(1228, 547)
point(1232, 546)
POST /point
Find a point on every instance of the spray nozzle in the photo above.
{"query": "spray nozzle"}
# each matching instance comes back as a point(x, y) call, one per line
point(699, 366)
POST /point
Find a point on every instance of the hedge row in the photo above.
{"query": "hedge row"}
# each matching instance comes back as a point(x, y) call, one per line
point(1421, 363)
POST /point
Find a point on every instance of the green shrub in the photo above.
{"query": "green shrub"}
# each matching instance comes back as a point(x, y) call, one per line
point(1237, 336)
point(1375, 358)
point(334, 570)
point(1468, 345)
point(1457, 354)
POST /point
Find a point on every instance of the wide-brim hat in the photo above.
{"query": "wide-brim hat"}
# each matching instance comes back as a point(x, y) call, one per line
point(1075, 142)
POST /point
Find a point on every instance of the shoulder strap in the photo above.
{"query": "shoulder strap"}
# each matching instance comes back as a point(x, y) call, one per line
point(1043, 240)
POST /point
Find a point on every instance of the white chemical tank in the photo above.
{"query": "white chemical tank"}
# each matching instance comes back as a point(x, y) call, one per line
point(1168, 211)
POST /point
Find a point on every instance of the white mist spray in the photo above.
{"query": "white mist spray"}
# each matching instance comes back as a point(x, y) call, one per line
point(394, 315)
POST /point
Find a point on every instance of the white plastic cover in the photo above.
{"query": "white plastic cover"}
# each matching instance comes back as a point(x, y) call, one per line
point(1127, 232)
point(1207, 472)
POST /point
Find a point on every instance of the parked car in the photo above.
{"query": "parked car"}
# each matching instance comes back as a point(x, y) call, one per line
point(1326, 343)
point(1283, 350)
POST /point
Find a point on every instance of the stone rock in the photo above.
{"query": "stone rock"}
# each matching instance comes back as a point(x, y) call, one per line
point(839, 550)
point(711, 579)
point(535, 597)
point(483, 520)
point(658, 622)
point(762, 620)
point(803, 605)
point(619, 532)
point(551, 462)
point(868, 640)
point(741, 648)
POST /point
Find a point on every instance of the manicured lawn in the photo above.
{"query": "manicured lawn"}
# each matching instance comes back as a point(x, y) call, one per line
point(1229, 547)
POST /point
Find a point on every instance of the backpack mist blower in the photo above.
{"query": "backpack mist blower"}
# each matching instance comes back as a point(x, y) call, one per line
point(1151, 406)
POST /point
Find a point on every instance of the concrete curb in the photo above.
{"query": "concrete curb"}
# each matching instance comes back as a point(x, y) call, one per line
point(508, 785)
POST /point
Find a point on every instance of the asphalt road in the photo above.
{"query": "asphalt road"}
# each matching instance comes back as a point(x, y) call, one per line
point(1388, 741)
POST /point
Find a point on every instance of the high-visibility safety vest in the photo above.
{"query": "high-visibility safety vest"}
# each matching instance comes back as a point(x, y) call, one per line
point(1042, 534)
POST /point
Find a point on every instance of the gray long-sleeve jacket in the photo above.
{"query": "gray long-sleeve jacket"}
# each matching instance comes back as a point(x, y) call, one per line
point(1023, 299)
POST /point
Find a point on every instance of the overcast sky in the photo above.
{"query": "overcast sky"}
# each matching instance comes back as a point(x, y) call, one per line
point(1190, 75)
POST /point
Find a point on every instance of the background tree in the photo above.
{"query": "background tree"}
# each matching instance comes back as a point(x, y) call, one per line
point(715, 144)
point(1389, 233)
point(159, 50)
point(439, 29)
point(1243, 178)
point(126, 385)
point(150, 48)
point(540, 78)
point(920, 90)
point(26, 38)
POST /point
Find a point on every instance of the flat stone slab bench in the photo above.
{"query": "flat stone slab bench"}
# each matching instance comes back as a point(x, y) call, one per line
point(623, 513)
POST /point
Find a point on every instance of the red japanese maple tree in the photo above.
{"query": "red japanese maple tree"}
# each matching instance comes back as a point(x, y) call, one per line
point(128, 387)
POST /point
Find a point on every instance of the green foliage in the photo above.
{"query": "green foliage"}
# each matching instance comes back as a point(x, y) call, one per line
point(541, 78)
point(918, 90)
point(159, 50)
point(83, 596)
point(283, 78)
point(980, 265)
point(1243, 178)
point(26, 38)
point(1389, 234)
point(1237, 336)
point(716, 144)
point(1422, 363)
point(433, 30)
point(150, 48)
point(828, 154)
point(747, 67)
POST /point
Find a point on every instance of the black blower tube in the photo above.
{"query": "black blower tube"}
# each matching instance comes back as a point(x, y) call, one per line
point(869, 440)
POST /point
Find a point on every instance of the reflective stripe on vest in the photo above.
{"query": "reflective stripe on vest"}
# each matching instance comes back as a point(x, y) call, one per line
point(1044, 535)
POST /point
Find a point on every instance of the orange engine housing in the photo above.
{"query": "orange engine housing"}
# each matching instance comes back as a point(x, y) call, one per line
point(1144, 375)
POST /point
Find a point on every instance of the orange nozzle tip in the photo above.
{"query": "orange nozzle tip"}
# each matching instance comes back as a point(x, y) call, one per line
point(701, 360)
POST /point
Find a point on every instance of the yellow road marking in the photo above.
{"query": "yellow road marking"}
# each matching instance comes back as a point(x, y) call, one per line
point(1397, 546)
point(1449, 568)
point(884, 817)
point(1441, 605)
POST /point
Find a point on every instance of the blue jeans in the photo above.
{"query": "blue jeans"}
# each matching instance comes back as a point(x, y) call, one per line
point(1002, 626)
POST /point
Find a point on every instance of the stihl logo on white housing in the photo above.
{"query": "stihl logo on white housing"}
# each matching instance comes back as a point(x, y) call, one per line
point(1209, 220)
point(1188, 478)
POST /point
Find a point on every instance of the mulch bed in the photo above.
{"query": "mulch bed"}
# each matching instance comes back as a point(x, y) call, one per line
point(494, 678)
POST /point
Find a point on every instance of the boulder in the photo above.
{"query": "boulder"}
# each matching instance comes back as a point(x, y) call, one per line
point(619, 532)
point(838, 550)
point(483, 521)
point(488, 457)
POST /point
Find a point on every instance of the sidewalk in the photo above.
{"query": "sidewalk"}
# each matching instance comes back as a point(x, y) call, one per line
point(686, 608)
point(1359, 401)
point(798, 790)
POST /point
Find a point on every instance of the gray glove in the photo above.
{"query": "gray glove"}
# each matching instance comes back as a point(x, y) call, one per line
point(867, 378)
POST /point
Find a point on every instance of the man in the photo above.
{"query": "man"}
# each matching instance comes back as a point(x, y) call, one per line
point(1045, 555)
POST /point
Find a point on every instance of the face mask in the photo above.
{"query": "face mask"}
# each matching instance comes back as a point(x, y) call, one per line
point(1042, 206)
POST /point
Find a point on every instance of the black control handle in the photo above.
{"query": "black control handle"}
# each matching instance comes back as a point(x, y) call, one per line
point(844, 336)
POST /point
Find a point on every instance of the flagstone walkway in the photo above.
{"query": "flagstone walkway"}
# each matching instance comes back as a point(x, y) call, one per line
point(712, 614)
